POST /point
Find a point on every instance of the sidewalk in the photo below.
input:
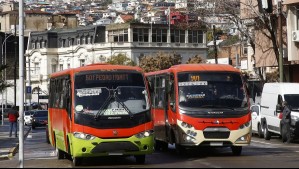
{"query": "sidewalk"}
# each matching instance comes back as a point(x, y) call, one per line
point(9, 145)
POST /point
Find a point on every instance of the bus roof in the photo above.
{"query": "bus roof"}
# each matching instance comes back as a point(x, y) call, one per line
point(96, 66)
point(196, 67)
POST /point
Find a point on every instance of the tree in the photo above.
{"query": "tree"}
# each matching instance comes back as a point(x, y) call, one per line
point(159, 61)
point(245, 14)
point(195, 60)
point(120, 59)
point(3, 83)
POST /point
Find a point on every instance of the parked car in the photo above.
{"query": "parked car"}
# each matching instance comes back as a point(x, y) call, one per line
point(256, 120)
point(39, 118)
point(271, 108)
point(28, 117)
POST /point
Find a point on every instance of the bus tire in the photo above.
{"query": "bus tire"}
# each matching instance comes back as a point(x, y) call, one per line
point(237, 150)
point(77, 161)
point(180, 150)
point(59, 154)
point(140, 159)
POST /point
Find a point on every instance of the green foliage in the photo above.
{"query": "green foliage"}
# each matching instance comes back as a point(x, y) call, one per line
point(3, 84)
point(159, 62)
point(120, 59)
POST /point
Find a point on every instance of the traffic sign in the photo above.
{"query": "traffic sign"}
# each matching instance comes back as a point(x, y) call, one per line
point(28, 89)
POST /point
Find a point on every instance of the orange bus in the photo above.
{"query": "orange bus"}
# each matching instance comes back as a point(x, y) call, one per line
point(200, 105)
point(100, 110)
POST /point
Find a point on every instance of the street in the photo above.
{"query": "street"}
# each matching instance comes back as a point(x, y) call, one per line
point(260, 154)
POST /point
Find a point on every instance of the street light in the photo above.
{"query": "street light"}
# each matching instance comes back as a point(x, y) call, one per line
point(4, 63)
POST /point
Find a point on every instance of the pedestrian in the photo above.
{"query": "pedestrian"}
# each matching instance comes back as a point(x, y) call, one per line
point(286, 119)
point(13, 115)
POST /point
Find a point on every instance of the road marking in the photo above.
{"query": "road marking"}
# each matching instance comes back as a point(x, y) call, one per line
point(29, 136)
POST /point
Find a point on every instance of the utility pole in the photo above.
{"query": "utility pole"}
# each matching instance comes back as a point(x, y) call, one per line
point(15, 65)
point(21, 83)
point(281, 72)
point(215, 44)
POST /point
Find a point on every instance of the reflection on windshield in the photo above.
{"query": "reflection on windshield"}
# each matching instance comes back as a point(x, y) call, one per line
point(123, 100)
point(226, 92)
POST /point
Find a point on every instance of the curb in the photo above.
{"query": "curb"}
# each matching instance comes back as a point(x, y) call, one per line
point(13, 150)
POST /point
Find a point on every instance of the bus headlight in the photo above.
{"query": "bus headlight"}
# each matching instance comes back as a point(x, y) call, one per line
point(144, 134)
point(247, 124)
point(83, 136)
point(186, 125)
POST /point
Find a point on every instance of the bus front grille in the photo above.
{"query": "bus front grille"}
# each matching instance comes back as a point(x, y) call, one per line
point(114, 147)
point(216, 135)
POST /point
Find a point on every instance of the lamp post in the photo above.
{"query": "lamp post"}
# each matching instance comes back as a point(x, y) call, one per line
point(4, 63)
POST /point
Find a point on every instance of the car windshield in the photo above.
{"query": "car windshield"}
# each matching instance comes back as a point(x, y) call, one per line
point(292, 100)
point(28, 113)
point(40, 114)
point(211, 90)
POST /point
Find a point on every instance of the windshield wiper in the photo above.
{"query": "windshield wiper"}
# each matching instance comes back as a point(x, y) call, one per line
point(124, 106)
point(112, 96)
point(100, 111)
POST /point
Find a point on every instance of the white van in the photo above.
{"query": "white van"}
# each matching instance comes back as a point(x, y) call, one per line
point(271, 114)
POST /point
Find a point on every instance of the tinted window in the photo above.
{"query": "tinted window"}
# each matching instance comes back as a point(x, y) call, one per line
point(40, 113)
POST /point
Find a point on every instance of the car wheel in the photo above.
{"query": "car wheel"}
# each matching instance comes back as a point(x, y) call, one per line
point(267, 134)
point(260, 131)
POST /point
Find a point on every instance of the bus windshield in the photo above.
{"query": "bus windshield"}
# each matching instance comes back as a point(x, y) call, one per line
point(110, 93)
point(211, 90)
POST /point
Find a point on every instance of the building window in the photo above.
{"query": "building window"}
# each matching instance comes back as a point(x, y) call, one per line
point(195, 36)
point(54, 68)
point(177, 36)
point(140, 35)
point(37, 45)
point(68, 65)
point(245, 50)
point(33, 45)
point(88, 40)
point(60, 66)
point(118, 36)
point(78, 41)
point(82, 62)
point(36, 68)
point(43, 44)
point(83, 40)
point(159, 35)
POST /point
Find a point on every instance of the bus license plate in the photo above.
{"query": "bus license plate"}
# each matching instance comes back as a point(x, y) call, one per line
point(216, 143)
point(115, 153)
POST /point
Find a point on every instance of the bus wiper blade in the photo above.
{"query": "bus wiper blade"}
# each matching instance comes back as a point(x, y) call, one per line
point(124, 106)
point(100, 111)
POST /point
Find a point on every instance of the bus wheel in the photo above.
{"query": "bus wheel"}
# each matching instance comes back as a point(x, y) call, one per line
point(59, 154)
point(77, 161)
point(237, 150)
point(140, 159)
point(180, 150)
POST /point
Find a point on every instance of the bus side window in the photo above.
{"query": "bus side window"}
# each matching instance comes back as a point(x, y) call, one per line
point(68, 97)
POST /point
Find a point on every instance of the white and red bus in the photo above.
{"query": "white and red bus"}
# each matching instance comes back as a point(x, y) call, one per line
point(200, 105)
point(100, 110)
